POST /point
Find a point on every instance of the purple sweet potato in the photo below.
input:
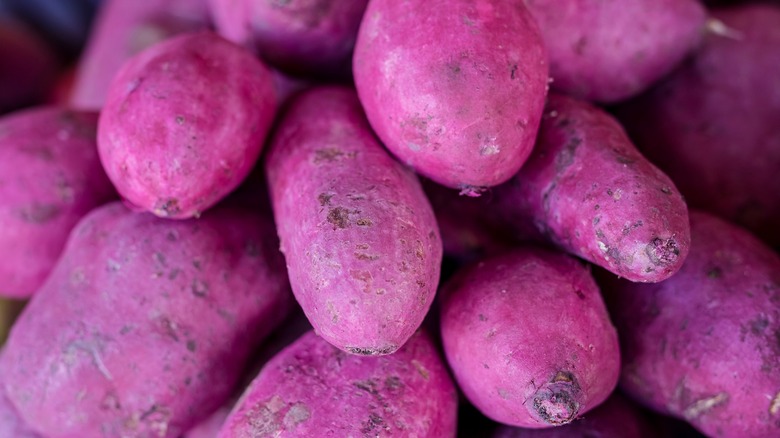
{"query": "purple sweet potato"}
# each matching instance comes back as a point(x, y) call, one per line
point(184, 123)
point(703, 345)
point(11, 426)
point(615, 418)
point(714, 125)
point(453, 88)
point(28, 68)
point(587, 189)
point(145, 324)
point(359, 236)
point(610, 50)
point(314, 389)
point(50, 177)
point(121, 30)
point(528, 338)
point(311, 38)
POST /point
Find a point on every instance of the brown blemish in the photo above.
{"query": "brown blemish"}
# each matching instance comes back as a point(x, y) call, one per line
point(557, 402)
point(774, 407)
point(421, 369)
point(364, 222)
point(191, 345)
point(338, 217)
point(167, 207)
point(513, 71)
point(369, 351)
point(662, 252)
point(39, 213)
point(715, 272)
point(199, 288)
point(324, 199)
point(366, 257)
point(330, 155)
point(666, 190)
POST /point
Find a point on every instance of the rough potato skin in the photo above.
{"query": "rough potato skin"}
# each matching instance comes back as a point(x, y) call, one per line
point(703, 345)
point(184, 122)
point(587, 189)
point(145, 324)
point(301, 37)
point(11, 426)
point(610, 50)
point(615, 418)
point(713, 127)
point(123, 28)
point(361, 242)
point(528, 338)
point(50, 177)
point(314, 389)
point(453, 88)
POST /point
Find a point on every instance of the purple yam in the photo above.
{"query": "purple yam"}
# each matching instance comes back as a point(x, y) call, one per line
point(455, 89)
point(50, 177)
point(703, 345)
point(145, 324)
point(587, 189)
point(184, 123)
point(528, 338)
point(359, 236)
point(314, 389)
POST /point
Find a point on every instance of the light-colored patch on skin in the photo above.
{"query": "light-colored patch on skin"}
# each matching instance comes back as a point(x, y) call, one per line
point(298, 413)
point(774, 406)
point(699, 407)
point(421, 369)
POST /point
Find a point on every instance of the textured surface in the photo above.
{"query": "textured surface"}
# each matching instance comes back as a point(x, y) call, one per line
point(314, 389)
point(588, 189)
point(528, 338)
point(454, 89)
point(184, 123)
point(302, 37)
point(609, 50)
point(360, 238)
point(714, 125)
point(703, 345)
point(50, 176)
point(145, 324)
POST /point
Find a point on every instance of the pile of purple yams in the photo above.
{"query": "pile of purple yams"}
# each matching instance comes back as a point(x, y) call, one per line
point(253, 175)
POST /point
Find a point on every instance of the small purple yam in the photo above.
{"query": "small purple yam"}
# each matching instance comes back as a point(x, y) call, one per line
point(359, 236)
point(587, 189)
point(314, 389)
point(453, 88)
point(50, 177)
point(703, 345)
point(145, 324)
point(528, 338)
point(184, 122)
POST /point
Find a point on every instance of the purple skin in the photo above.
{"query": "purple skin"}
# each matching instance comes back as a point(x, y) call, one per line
point(173, 142)
point(312, 38)
point(28, 69)
point(713, 126)
point(608, 51)
point(703, 345)
point(145, 324)
point(11, 426)
point(615, 418)
point(314, 389)
point(528, 338)
point(587, 189)
point(454, 89)
point(50, 177)
point(121, 30)
point(360, 238)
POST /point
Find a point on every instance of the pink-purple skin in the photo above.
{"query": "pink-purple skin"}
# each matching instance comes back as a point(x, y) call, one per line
point(314, 389)
point(50, 177)
point(311, 38)
point(703, 345)
point(360, 238)
point(288, 332)
point(145, 324)
point(454, 89)
point(123, 28)
point(608, 51)
point(11, 426)
point(713, 127)
point(615, 418)
point(528, 338)
point(589, 190)
point(29, 67)
point(184, 123)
